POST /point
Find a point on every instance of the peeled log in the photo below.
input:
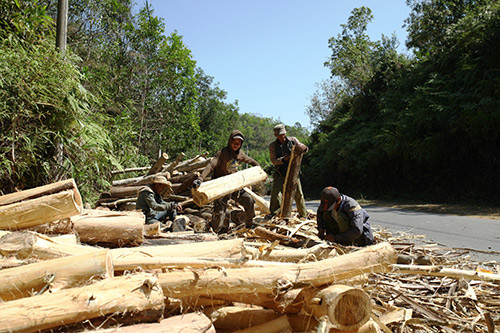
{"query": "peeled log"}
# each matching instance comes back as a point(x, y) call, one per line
point(232, 248)
point(60, 273)
point(33, 212)
point(317, 252)
point(219, 187)
point(119, 229)
point(40, 191)
point(376, 258)
point(346, 307)
point(232, 318)
point(262, 203)
point(126, 294)
point(28, 244)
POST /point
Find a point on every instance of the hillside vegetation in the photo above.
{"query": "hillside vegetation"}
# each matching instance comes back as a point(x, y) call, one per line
point(422, 125)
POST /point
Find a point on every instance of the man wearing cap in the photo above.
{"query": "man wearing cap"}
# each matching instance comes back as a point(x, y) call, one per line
point(342, 220)
point(152, 204)
point(280, 151)
point(226, 162)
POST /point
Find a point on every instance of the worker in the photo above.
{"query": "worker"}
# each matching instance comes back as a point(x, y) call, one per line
point(280, 151)
point(341, 219)
point(155, 209)
point(225, 162)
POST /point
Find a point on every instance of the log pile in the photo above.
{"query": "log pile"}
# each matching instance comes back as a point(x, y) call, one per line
point(277, 277)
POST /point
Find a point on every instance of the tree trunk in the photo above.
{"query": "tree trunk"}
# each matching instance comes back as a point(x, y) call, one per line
point(131, 293)
point(136, 181)
point(41, 191)
point(41, 210)
point(138, 169)
point(124, 191)
point(187, 183)
point(64, 226)
point(54, 274)
point(219, 249)
point(262, 203)
point(317, 252)
point(277, 325)
point(23, 245)
point(118, 229)
point(172, 165)
point(376, 258)
point(274, 236)
point(347, 308)
point(217, 188)
point(290, 185)
point(158, 166)
point(233, 318)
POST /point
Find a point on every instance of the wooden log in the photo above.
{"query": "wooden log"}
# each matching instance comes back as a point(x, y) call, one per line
point(117, 202)
point(61, 227)
point(376, 258)
point(446, 272)
point(290, 184)
point(262, 203)
point(118, 229)
point(201, 163)
point(172, 165)
point(317, 252)
point(54, 274)
point(40, 191)
point(179, 179)
point(188, 322)
point(187, 183)
point(274, 236)
point(41, 210)
point(232, 318)
point(152, 229)
point(121, 192)
point(370, 327)
point(232, 248)
point(125, 264)
point(158, 165)
point(190, 161)
point(280, 324)
point(347, 308)
point(136, 181)
point(24, 245)
point(138, 169)
point(131, 293)
point(217, 188)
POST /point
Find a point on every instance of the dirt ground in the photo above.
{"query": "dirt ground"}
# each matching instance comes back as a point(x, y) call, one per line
point(486, 212)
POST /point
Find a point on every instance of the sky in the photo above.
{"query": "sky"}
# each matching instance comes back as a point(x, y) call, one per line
point(269, 55)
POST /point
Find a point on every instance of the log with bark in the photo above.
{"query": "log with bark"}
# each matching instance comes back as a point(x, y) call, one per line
point(158, 165)
point(54, 274)
point(290, 184)
point(136, 294)
point(172, 165)
point(261, 203)
point(274, 236)
point(115, 229)
point(136, 181)
point(376, 258)
point(219, 187)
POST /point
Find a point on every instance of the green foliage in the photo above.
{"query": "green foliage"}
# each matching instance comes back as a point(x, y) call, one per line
point(421, 128)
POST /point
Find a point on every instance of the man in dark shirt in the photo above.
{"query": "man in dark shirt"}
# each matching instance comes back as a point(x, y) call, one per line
point(151, 203)
point(342, 220)
point(226, 162)
point(280, 151)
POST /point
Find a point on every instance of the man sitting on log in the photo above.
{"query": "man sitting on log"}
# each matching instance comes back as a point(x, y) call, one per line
point(150, 201)
point(342, 220)
point(226, 162)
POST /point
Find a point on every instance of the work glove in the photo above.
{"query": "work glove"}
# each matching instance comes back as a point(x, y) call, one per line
point(196, 183)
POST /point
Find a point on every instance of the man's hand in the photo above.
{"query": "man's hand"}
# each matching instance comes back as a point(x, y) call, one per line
point(196, 183)
point(178, 208)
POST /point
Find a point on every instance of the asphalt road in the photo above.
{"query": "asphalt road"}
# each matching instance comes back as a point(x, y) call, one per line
point(481, 236)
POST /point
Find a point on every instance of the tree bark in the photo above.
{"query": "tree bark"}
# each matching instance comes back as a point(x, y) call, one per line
point(41, 210)
point(131, 293)
point(172, 165)
point(187, 183)
point(158, 165)
point(124, 191)
point(54, 274)
point(290, 185)
point(376, 258)
point(118, 229)
point(273, 236)
point(447, 272)
point(217, 188)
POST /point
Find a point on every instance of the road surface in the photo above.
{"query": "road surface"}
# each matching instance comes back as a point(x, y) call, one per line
point(480, 235)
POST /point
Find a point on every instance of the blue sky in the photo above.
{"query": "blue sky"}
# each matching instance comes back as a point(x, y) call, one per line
point(269, 54)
